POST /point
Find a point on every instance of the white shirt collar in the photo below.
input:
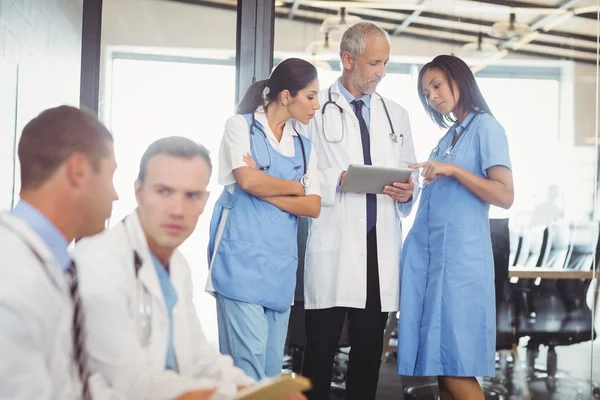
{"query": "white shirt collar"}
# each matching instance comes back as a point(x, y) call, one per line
point(288, 129)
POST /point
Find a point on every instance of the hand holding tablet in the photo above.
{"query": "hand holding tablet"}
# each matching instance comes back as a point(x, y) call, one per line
point(373, 179)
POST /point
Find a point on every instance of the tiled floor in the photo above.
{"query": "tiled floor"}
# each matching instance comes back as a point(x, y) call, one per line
point(578, 360)
point(510, 383)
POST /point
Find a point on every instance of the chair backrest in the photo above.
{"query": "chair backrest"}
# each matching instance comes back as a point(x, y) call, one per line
point(534, 242)
point(526, 240)
point(515, 245)
point(584, 243)
point(559, 245)
point(582, 255)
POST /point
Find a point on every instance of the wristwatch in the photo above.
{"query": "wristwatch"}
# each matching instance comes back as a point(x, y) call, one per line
point(305, 181)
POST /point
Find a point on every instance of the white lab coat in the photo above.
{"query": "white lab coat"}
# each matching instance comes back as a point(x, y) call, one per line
point(36, 313)
point(110, 294)
point(336, 258)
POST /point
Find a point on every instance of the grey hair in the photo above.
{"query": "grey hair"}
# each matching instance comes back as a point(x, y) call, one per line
point(355, 37)
point(175, 146)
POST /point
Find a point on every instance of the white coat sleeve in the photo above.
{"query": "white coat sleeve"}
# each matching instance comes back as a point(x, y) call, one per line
point(329, 178)
point(408, 156)
point(208, 362)
point(113, 345)
point(312, 171)
point(23, 369)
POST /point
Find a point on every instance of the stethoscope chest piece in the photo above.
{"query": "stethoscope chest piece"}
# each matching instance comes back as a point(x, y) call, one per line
point(144, 304)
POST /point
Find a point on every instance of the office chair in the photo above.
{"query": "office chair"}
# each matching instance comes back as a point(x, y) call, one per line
point(559, 236)
point(502, 248)
point(559, 313)
point(296, 337)
point(535, 245)
point(515, 245)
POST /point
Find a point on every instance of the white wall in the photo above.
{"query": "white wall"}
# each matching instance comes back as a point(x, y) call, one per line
point(40, 59)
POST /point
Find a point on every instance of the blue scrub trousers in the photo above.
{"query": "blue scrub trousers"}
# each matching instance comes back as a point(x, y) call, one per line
point(254, 336)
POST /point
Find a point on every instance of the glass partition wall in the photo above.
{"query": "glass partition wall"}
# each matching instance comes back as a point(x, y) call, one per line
point(169, 69)
point(536, 63)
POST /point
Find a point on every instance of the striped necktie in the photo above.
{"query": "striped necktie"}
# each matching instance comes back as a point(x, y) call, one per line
point(79, 351)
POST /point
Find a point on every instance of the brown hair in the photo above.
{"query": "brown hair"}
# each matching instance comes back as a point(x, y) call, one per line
point(174, 146)
point(53, 136)
point(456, 71)
point(292, 74)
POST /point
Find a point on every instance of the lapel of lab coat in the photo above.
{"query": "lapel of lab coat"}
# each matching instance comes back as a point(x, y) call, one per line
point(379, 130)
point(352, 142)
point(147, 273)
point(39, 248)
point(340, 100)
point(179, 279)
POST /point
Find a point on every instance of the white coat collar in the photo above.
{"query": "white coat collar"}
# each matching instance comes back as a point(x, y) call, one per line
point(137, 239)
point(147, 273)
point(37, 246)
point(340, 99)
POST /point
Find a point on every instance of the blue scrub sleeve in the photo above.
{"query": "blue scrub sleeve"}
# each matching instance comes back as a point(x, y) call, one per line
point(493, 145)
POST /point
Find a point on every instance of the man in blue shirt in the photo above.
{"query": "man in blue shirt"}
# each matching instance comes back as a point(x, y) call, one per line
point(66, 163)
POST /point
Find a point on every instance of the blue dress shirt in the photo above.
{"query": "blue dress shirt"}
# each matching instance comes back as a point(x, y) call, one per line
point(366, 98)
point(170, 297)
point(49, 233)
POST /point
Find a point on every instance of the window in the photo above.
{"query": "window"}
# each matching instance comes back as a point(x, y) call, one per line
point(531, 121)
point(152, 99)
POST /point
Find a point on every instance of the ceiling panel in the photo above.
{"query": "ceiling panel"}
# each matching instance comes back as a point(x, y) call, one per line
point(459, 21)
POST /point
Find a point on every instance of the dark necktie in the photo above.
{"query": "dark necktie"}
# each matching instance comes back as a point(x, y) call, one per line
point(366, 146)
point(79, 350)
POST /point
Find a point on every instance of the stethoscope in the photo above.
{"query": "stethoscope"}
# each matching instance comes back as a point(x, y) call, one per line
point(144, 299)
point(264, 167)
point(144, 304)
point(393, 135)
point(448, 152)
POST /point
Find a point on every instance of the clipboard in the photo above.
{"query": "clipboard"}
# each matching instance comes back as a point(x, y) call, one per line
point(275, 388)
point(372, 179)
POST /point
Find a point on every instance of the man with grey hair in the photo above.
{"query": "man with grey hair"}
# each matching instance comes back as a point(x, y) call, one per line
point(353, 249)
point(144, 336)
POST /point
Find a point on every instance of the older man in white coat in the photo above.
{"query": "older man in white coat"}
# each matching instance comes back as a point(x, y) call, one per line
point(67, 163)
point(353, 248)
point(145, 337)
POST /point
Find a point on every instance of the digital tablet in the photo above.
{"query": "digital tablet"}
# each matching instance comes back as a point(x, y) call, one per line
point(372, 179)
point(275, 388)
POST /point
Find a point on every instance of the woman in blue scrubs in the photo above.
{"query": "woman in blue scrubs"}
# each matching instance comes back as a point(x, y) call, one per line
point(447, 325)
point(270, 176)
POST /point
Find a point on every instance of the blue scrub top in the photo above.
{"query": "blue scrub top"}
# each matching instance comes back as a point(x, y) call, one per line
point(447, 324)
